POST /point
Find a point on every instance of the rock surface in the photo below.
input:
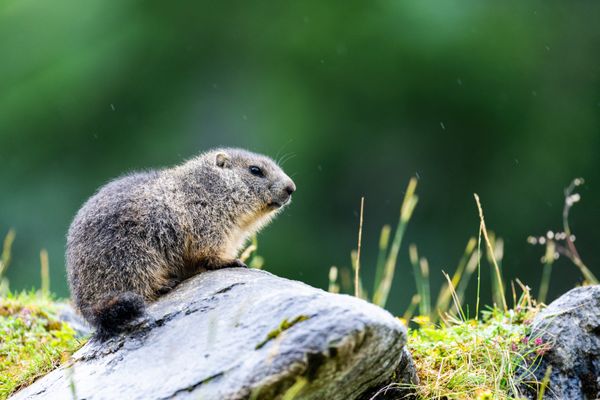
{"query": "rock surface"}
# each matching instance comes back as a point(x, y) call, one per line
point(570, 329)
point(67, 313)
point(241, 334)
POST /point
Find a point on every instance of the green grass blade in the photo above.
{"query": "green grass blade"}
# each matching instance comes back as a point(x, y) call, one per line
point(445, 295)
point(384, 243)
point(406, 211)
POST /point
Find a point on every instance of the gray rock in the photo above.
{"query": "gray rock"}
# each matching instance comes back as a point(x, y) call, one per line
point(570, 328)
point(67, 313)
point(241, 334)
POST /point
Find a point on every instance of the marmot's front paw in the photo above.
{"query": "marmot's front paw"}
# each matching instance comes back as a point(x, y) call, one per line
point(235, 264)
point(167, 286)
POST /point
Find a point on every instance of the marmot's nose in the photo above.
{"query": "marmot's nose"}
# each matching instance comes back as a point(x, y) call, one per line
point(291, 188)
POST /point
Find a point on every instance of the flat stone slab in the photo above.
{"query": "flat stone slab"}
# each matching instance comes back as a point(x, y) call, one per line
point(241, 334)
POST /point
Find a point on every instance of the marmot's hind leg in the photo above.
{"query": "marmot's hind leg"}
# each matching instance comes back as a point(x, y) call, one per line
point(112, 314)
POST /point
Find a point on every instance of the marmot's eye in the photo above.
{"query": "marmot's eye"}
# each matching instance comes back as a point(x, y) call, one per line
point(256, 171)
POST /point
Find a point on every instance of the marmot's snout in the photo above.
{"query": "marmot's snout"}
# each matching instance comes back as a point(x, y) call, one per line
point(282, 192)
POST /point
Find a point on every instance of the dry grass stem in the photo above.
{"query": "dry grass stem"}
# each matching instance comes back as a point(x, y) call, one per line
point(492, 252)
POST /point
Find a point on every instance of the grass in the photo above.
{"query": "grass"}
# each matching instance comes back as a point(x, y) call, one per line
point(33, 341)
point(472, 359)
point(458, 355)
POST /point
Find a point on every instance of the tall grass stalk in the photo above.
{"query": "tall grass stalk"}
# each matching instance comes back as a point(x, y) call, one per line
point(410, 310)
point(5, 258)
point(525, 300)
point(45, 272)
point(384, 242)
point(478, 272)
point(456, 300)
point(466, 277)
point(426, 303)
point(421, 273)
point(333, 276)
point(6, 251)
point(548, 260)
point(460, 277)
point(357, 266)
point(408, 206)
point(544, 383)
point(250, 255)
point(494, 259)
point(356, 279)
point(483, 229)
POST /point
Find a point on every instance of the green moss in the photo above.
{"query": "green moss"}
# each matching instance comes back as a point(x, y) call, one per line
point(284, 325)
point(32, 340)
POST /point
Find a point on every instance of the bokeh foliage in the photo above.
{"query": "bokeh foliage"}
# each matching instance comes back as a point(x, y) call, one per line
point(502, 99)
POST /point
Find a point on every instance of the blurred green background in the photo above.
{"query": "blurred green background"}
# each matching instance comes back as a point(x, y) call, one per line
point(502, 99)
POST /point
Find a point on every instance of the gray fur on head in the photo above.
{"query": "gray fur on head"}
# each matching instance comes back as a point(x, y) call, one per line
point(143, 233)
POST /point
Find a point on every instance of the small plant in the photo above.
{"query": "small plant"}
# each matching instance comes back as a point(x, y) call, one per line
point(562, 243)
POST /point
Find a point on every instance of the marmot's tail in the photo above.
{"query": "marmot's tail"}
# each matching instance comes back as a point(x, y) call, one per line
point(112, 314)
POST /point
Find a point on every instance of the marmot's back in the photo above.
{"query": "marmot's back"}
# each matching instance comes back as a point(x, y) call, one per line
point(117, 201)
point(142, 234)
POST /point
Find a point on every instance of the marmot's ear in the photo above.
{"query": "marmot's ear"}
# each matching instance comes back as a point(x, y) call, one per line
point(223, 160)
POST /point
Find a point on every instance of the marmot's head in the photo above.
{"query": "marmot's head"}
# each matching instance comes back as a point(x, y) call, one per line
point(262, 179)
point(233, 191)
point(246, 184)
